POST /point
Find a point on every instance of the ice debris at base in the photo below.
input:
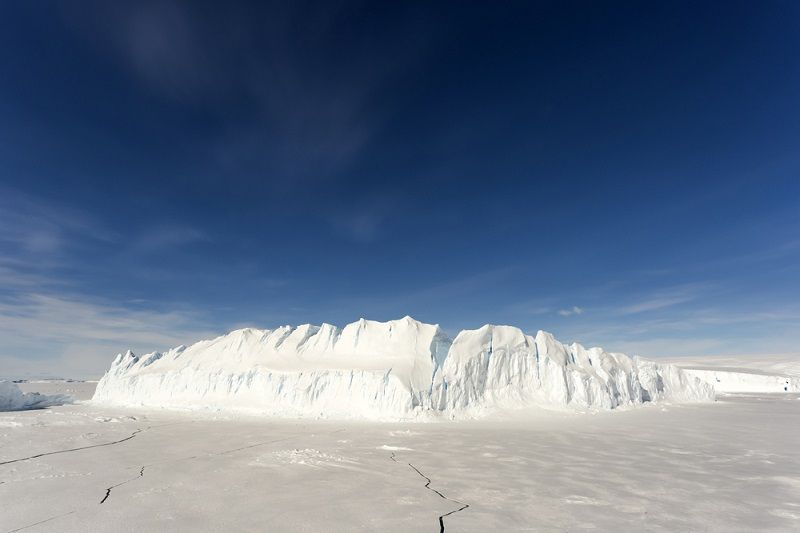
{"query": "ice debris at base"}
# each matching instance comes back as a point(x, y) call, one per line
point(13, 399)
point(397, 369)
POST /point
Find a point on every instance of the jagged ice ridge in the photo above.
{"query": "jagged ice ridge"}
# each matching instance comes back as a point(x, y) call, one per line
point(397, 369)
point(13, 399)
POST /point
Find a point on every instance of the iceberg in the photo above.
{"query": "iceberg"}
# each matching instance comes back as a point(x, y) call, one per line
point(390, 370)
point(13, 399)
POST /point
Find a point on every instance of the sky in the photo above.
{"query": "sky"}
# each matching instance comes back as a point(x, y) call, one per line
point(623, 174)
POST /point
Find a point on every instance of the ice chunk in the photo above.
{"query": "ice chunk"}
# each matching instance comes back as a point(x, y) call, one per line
point(13, 399)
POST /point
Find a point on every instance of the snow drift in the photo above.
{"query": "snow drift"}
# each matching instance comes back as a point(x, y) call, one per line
point(394, 369)
point(13, 399)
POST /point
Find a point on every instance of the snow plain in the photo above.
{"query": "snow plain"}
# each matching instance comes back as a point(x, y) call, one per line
point(729, 465)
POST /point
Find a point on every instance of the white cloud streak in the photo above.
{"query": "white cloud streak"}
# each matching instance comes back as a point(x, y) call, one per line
point(575, 310)
point(668, 297)
point(34, 226)
point(51, 334)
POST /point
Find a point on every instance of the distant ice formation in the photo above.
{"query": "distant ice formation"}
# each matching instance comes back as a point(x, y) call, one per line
point(13, 399)
point(753, 374)
point(397, 369)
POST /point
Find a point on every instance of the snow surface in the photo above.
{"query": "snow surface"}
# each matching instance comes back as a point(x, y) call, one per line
point(13, 399)
point(397, 369)
point(727, 466)
point(754, 374)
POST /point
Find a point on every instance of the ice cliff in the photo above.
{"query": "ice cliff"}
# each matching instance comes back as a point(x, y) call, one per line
point(397, 369)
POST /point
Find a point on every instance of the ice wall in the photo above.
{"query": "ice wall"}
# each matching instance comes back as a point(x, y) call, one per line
point(746, 381)
point(396, 369)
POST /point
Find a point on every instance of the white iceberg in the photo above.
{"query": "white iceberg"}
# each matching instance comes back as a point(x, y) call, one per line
point(397, 369)
point(13, 399)
point(746, 374)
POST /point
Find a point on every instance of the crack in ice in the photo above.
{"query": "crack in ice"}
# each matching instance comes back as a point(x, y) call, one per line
point(142, 469)
point(225, 452)
point(129, 437)
point(41, 521)
point(428, 486)
point(132, 435)
point(108, 490)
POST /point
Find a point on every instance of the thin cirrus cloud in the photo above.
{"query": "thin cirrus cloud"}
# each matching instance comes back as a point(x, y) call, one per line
point(78, 336)
point(574, 310)
point(167, 236)
point(45, 313)
point(35, 226)
point(308, 115)
point(62, 318)
point(655, 304)
point(668, 298)
point(214, 154)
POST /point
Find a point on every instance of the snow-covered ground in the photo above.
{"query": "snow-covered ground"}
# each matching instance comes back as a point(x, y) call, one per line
point(729, 465)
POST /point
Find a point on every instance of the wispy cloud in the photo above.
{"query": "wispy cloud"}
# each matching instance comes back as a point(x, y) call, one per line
point(18, 274)
point(309, 95)
point(425, 300)
point(49, 322)
point(43, 329)
point(534, 310)
point(33, 225)
point(654, 304)
point(364, 221)
point(42, 316)
point(667, 298)
point(574, 310)
point(360, 227)
point(164, 236)
point(669, 347)
point(690, 331)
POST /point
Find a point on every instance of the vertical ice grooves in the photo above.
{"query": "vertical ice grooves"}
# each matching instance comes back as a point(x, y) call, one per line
point(392, 370)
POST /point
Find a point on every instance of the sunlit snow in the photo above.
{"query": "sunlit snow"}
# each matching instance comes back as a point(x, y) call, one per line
point(395, 427)
point(729, 465)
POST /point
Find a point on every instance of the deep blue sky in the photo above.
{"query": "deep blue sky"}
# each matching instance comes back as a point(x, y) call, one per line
point(623, 174)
